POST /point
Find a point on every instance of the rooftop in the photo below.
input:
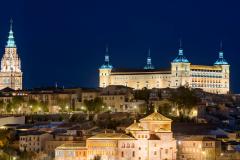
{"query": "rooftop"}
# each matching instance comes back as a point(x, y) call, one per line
point(203, 67)
point(135, 127)
point(73, 146)
point(139, 71)
point(111, 136)
point(155, 117)
point(198, 138)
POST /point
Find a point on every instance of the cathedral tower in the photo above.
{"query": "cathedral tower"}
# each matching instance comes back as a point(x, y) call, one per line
point(11, 74)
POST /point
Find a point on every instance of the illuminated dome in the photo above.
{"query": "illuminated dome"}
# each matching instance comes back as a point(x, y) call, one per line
point(180, 58)
point(106, 64)
point(221, 60)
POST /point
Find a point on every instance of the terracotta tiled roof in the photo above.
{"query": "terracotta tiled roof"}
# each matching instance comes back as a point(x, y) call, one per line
point(110, 136)
point(155, 117)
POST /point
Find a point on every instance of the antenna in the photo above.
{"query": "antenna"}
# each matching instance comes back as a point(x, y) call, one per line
point(180, 42)
point(221, 45)
point(107, 49)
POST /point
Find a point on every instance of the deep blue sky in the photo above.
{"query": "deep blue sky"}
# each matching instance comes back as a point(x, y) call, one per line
point(64, 40)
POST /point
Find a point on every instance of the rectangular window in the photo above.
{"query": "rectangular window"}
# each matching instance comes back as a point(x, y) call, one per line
point(122, 154)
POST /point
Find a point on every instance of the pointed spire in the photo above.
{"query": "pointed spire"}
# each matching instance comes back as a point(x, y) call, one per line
point(180, 51)
point(221, 60)
point(106, 60)
point(106, 55)
point(107, 49)
point(221, 50)
point(180, 58)
point(149, 61)
point(149, 52)
point(11, 42)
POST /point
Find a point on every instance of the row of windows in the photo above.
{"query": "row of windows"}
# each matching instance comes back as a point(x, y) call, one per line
point(208, 76)
point(166, 151)
point(199, 70)
point(30, 144)
point(29, 138)
point(144, 77)
point(208, 85)
point(206, 81)
point(111, 98)
point(128, 145)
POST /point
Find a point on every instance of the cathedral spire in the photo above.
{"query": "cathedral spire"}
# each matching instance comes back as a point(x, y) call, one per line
point(11, 42)
point(149, 61)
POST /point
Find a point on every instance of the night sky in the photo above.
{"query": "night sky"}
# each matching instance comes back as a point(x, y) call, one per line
point(64, 40)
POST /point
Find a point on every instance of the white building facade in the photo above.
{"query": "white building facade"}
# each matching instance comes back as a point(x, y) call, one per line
point(150, 139)
point(213, 79)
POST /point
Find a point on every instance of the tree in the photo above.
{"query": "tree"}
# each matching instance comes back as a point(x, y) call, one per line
point(17, 101)
point(94, 105)
point(63, 103)
point(2, 105)
point(142, 94)
point(27, 155)
point(37, 106)
point(184, 100)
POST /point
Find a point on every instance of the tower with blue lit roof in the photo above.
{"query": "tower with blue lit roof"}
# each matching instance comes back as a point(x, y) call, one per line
point(105, 71)
point(180, 70)
point(225, 71)
point(149, 61)
point(11, 74)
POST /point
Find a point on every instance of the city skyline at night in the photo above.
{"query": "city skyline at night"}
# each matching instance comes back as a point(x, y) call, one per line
point(60, 45)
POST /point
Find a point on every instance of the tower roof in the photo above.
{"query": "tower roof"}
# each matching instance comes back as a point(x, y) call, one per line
point(106, 64)
point(135, 127)
point(155, 117)
point(180, 58)
point(11, 42)
point(149, 61)
point(221, 60)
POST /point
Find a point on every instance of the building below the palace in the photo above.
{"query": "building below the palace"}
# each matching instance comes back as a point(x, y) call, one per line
point(11, 74)
point(213, 79)
point(150, 139)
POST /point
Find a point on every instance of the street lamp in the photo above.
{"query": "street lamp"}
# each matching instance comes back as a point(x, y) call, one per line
point(66, 107)
point(39, 109)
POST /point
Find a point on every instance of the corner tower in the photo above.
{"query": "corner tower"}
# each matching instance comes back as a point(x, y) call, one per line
point(180, 70)
point(225, 72)
point(105, 71)
point(149, 61)
point(11, 74)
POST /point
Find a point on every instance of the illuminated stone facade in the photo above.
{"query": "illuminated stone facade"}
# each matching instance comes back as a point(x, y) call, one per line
point(213, 79)
point(198, 148)
point(150, 139)
point(11, 74)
